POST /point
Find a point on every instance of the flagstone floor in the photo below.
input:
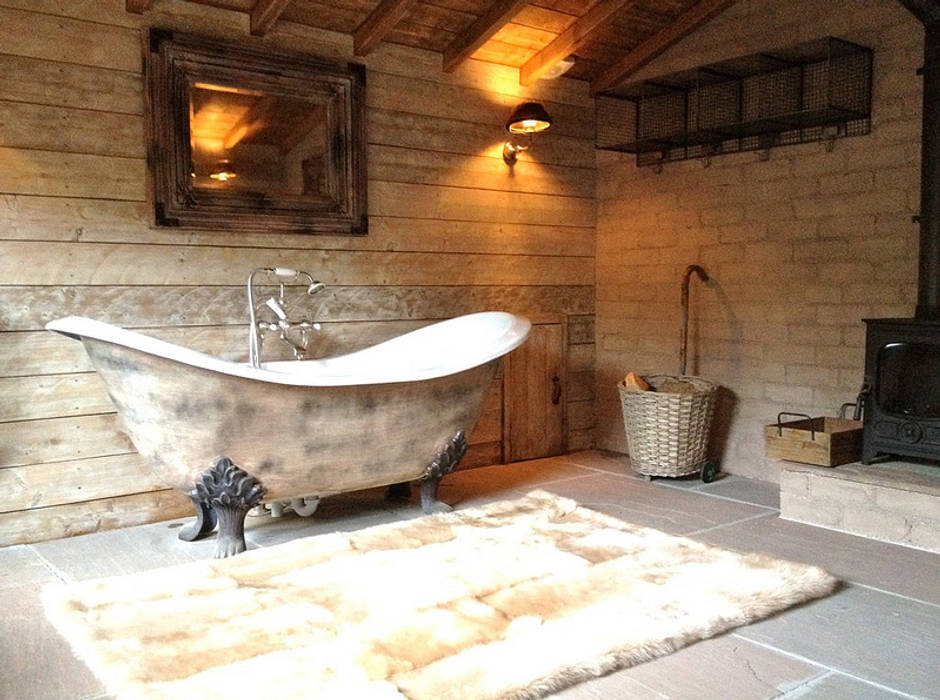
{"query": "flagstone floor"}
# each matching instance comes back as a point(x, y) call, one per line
point(879, 637)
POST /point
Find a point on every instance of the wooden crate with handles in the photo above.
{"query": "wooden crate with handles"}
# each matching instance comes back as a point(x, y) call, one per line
point(823, 441)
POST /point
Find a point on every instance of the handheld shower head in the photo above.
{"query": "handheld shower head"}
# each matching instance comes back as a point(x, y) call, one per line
point(315, 287)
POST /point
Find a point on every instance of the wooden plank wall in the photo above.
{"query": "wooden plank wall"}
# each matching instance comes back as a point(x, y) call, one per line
point(453, 230)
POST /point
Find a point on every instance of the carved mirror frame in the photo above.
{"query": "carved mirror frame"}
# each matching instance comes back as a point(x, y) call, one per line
point(174, 63)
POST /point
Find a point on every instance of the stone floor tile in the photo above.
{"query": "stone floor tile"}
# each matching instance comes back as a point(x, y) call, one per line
point(864, 634)
point(35, 662)
point(290, 526)
point(601, 460)
point(760, 493)
point(21, 566)
point(870, 635)
point(124, 551)
point(836, 686)
point(689, 482)
point(723, 667)
point(474, 487)
point(672, 510)
point(890, 567)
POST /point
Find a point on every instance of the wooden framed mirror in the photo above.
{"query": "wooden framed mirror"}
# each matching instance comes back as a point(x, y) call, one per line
point(247, 139)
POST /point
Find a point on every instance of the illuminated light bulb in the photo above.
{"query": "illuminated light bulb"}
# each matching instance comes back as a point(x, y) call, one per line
point(223, 172)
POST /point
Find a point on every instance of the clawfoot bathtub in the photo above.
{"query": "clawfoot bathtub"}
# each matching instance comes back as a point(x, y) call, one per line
point(230, 435)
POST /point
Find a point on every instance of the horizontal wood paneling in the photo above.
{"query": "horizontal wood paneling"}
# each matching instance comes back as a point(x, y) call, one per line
point(428, 202)
point(405, 94)
point(580, 439)
point(452, 230)
point(91, 516)
point(580, 415)
point(74, 219)
point(455, 136)
point(482, 455)
point(40, 82)
point(57, 38)
point(53, 395)
point(104, 264)
point(458, 170)
point(56, 174)
point(212, 17)
point(61, 439)
point(70, 130)
point(580, 330)
point(581, 358)
point(25, 171)
point(580, 386)
point(99, 11)
point(74, 481)
point(425, 158)
point(30, 308)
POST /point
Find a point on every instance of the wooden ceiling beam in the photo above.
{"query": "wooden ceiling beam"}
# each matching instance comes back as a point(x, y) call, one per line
point(569, 40)
point(138, 7)
point(265, 13)
point(685, 24)
point(379, 23)
point(498, 15)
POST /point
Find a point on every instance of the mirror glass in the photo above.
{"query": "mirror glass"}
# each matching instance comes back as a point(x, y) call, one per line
point(245, 139)
point(252, 141)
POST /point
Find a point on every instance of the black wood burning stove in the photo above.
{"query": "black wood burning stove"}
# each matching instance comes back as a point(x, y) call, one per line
point(902, 405)
point(901, 393)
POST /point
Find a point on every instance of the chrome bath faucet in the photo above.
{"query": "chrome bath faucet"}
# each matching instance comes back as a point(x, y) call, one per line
point(287, 330)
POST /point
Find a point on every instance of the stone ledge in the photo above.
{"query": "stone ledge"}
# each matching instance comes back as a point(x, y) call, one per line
point(919, 477)
point(896, 501)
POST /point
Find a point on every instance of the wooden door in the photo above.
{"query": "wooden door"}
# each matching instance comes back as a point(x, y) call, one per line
point(534, 395)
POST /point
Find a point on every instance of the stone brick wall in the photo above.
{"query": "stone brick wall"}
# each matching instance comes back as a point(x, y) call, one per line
point(800, 247)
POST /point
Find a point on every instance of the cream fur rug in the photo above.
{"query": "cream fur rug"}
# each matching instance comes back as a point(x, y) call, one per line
point(515, 599)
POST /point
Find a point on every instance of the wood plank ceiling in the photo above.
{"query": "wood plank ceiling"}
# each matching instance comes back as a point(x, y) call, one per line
point(608, 39)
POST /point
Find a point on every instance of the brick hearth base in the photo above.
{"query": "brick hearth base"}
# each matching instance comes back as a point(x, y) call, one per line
point(892, 501)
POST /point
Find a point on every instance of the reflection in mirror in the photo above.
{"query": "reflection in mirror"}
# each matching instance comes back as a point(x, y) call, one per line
point(247, 139)
point(258, 142)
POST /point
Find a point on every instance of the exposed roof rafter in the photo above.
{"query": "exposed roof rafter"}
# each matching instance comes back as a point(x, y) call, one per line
point(498, 14)
point(265, 13)
point(685, 24)
point(379, 23)
point(138, 7)
point(568, 41)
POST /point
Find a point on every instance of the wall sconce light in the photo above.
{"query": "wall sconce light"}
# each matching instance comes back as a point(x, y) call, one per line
point(526, 119)
point(223, 172)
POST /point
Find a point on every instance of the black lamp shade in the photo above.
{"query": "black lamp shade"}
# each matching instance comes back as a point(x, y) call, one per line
point(528, 118)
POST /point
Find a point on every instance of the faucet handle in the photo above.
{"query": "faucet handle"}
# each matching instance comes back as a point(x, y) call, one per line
point(276, 307)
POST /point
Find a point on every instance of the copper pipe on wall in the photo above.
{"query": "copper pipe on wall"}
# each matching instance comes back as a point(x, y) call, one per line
point(684, 340)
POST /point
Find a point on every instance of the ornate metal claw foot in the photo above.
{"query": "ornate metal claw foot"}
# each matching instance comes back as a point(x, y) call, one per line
point(443, 464)
point(231, 492)
point(204, 524)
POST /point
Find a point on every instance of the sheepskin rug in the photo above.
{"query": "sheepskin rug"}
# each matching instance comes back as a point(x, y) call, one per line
point(514, 599)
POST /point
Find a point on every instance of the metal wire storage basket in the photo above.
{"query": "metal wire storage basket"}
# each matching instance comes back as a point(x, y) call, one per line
point(667, 433)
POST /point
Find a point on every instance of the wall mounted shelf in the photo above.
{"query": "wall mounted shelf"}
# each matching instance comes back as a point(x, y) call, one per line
point(810, 92)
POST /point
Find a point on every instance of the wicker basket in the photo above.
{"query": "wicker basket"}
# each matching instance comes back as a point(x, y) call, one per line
point(668, 433)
